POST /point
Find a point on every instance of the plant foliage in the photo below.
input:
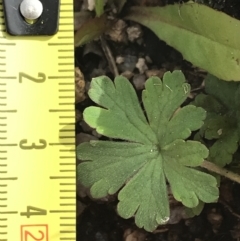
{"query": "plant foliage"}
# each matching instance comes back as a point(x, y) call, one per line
point(222, 124)
point(205, 37)
point(154, 148)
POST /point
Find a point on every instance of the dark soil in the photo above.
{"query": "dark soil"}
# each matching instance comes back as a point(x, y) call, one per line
point(99, 220)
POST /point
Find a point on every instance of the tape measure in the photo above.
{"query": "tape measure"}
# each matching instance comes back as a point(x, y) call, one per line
point(37, 131)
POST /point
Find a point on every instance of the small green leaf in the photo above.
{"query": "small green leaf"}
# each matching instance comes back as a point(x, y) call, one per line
point(156, 151)
point(222, 123)
point(99, 7)
point(194, 30)
point(90, 30)
point(222, 150)
point(222, 91)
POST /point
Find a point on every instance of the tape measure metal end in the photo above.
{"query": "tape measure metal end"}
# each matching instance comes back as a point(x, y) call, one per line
point(45, 24)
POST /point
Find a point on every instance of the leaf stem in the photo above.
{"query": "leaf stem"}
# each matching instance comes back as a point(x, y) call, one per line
point(221, 171)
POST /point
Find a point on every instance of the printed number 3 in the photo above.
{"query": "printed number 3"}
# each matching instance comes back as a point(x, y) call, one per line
point(23, 145)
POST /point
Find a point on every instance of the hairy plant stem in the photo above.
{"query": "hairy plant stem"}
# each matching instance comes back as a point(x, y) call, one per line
point(221, 171)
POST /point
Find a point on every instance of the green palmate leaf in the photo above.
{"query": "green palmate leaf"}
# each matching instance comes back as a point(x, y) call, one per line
point(91, 29)
point(222, 122)
point(123, 112)
point(156, 151)
point(198, 36)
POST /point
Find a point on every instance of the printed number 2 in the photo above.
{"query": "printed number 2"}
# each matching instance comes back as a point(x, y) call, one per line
point(41, 77)
point(33, 211)
point(28, 234)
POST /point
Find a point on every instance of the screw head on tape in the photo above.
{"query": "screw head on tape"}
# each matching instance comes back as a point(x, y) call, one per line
point(31, 17)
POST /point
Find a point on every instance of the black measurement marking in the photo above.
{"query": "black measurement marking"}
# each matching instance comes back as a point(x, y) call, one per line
point(66, 97)
point(61, 77)
point(67, 231)
point(66, 157)
point(3, 158)
point(8, 77)
point(65, 11)
point(66, 190)
point(3, 185)
point(62, 144)
point(7, 44)
point(3, 192)
point(8, 178)
point(66, 170)
point(67, 225)
point(67, 218)
point(61, 117)
point(5, 226)
point(61, 150)
point(3, 131)
point(4, 172)
point(5, 206)
point(65, 50)
point(67, 204)
point(62, 177)
point(65, 24)
point(3, 151)
point(3, 165)
point(65, 63)
point(8, 111)
point(8, 212)
point(67, 184)
point(3, 118)
point(3, 219)
point(62, 211)
point(64, 31)
point(60, 44)
point(65, 123)
point(3, 91)
point(65, 70)
point(67, 197)
point(3, 84)
point(12, 144)
point(66, 90)
point(65, 57)
point(67, 164)
point(68, 239)
point(66, 137)
point(67, 83)
point(67, 130)
point(3, 199)
point(3, 98)
point(61, 110)
point(66, 103)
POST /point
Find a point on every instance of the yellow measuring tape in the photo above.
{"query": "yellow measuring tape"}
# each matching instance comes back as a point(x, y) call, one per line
point(37, 136)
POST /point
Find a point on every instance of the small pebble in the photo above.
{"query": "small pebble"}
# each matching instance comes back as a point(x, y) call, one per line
point(134, 32)
point(141, 65)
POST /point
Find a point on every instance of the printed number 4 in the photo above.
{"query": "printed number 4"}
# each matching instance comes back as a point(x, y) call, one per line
point(31, 211)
